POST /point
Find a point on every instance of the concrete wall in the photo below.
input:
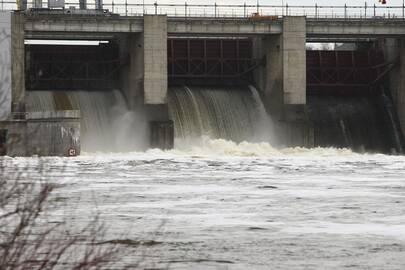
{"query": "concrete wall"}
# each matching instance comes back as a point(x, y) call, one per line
point(132, 75)
point(5, 65)
point(294, 60)
point(44, 134)
point(283, 79)
point(269, 78)
point(282, 82)
point(395, 49)
point(53, 133)
point(155, 59)
point(17, 58)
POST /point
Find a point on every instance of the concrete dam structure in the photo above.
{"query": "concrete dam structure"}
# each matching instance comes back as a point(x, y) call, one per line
point(153, 80)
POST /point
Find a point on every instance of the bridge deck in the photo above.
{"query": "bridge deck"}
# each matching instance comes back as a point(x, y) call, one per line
point(62, 26)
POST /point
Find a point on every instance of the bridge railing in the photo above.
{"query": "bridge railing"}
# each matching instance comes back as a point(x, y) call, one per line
point(138, 8)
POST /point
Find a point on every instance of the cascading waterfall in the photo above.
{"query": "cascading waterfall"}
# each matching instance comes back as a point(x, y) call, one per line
point(233, 113)
point(359, 123)
point(106, 123)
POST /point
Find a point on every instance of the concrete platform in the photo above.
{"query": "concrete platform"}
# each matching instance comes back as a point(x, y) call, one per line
point(42, 134)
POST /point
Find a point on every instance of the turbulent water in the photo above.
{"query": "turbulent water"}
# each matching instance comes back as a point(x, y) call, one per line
point(234, 113)
point(222, 205)
point(219, 204)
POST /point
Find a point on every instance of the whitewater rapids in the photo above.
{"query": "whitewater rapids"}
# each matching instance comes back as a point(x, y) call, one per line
point(222, 205)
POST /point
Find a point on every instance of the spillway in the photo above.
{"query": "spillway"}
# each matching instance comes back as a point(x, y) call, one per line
point(361, 123)
point(235, 114)
point(232, 113)
point(106, 123)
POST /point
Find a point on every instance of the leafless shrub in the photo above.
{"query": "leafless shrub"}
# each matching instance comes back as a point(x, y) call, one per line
point(29, 241)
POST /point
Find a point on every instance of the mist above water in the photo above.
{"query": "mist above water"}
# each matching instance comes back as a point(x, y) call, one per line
point(106, 122)
point(233, 114)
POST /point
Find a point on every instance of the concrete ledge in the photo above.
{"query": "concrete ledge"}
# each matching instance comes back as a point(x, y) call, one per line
point(48, 25)
point(74, 114)
point(43, 134)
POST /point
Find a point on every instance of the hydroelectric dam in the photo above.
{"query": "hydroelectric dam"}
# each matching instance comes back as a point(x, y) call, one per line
point(152, 81)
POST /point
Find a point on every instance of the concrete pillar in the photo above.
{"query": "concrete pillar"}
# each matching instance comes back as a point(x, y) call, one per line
point(398, 86)
point(294, 60)
point(270, 78)
point(132, 48)
point(155, 59)
point(283, 82)
point(5, 65)
point(162, 134)
point(394, 49)
point(17, 58)
point(144, 79)
point(3, 142)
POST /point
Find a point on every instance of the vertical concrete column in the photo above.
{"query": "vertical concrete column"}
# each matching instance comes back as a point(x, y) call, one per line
point(132, 48)
point(17, 59)
point(283, 82)
point(399, 92)
point(155, 59)
point(294, 60)
point(5, 65)
point(162, 134)
point(274, 80)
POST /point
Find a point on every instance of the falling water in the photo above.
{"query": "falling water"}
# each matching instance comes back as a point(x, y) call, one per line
point(106, 122)
point(233, 113)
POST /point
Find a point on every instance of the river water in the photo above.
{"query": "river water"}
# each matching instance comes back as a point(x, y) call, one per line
point(246, 206)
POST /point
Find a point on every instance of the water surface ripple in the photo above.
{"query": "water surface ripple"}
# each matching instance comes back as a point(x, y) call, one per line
point(287, 211)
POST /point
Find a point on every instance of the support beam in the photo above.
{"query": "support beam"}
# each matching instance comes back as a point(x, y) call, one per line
point(132, 47)
point(17, 58)
point(5, 65)
point(155, 59)
point(294, 60)
point(162, 134)
point(400, 87)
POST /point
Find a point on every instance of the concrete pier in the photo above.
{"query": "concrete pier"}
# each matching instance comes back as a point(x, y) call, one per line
point(294, 60)
point(162, 135)
point(5, 65)
point(43, 134)
point(132, 74)
point(145, 81)
point(155, 59)
point(282, 80)
point(394, 50)
point(17, 56)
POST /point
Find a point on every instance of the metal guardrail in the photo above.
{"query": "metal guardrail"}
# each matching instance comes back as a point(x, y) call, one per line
point(128, 8)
